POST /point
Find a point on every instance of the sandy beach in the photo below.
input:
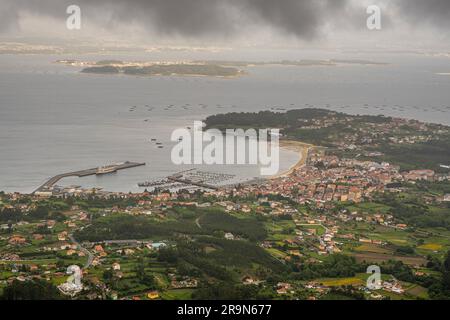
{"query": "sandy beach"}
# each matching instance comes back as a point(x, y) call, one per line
point(297, 146)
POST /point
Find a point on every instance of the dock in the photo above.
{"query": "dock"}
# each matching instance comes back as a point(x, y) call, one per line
point(84, 173)
point(192, 183)
point(191, 178)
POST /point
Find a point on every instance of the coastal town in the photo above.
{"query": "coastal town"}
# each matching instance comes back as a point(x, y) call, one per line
point(308, 234)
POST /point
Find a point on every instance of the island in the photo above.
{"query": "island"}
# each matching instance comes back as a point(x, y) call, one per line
point(162, 69)
point(209, 68)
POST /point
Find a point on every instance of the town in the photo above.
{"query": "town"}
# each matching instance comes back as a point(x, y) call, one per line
point(310, 234)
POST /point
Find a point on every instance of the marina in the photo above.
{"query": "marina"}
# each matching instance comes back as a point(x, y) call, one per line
point(191, 178)
point(111, 130)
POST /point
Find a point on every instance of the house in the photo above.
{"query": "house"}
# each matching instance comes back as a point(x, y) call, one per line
point(95, 262)
point(229, 236)
point(50, 224)
point(98, 248)
point(157, 245)
point(38, 236)
point(415, 175)
point(17, 240)
point(70, 252)
point(34, 267)
point(116, 266)
point(82, 216)
point(284, 288)
point(346, 236)
point(248, 280)
point(204, 205)
point(44, 194)
point(295, 253)
point(152, 295)
point(246, 209)
point(62, 236)
point(10, 257)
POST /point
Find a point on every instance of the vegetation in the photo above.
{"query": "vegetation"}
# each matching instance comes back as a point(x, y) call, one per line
point(337, 265)
point(415, 212)
point(30, 290)
point(105, 67)
point(248, 227)
point(122, 227)
point(102, 69)
point(329, 129)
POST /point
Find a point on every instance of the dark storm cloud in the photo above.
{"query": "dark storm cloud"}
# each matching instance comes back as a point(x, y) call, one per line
point(302, 18)
point(305, 19)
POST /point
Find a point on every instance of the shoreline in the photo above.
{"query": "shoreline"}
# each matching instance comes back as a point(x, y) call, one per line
point(297, 146)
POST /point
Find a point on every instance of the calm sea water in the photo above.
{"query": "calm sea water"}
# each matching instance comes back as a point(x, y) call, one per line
point(54, 119)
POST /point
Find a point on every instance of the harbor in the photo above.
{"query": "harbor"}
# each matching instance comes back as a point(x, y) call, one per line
point(48, 185)
point(191, 178)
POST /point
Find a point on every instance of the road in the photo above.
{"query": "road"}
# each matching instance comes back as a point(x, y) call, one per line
point(197, 222)
point(86, 251)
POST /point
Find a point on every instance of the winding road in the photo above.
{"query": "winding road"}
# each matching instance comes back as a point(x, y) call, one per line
point(86, 251)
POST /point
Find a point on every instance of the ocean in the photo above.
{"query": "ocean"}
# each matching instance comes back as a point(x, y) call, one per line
point(54, 119)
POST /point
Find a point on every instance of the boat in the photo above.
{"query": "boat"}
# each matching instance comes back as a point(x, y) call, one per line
point(153, 183)
point(106, 170)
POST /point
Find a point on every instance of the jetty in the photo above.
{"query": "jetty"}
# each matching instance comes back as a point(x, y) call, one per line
point(47, 186)
point(179, 179)
point(191, 178)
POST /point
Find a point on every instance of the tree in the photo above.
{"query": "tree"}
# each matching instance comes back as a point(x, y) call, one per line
point(108, 275)
point(60, 264)
point(148, 279)
point(226, 291)
point(168, 255)
point(31, 290)
point(446, 273)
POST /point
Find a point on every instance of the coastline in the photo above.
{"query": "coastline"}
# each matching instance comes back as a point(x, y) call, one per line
point(297, 146)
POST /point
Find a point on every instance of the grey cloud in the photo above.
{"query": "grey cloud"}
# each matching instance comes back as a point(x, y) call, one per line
point(431, 12)
point(302, 18)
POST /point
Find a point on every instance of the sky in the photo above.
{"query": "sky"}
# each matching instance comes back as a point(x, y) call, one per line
point(406, 24)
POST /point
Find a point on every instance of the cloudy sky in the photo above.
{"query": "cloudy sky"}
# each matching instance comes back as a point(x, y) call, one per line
point(407, 23)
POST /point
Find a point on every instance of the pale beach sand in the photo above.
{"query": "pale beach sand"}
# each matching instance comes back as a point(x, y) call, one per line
point(297, 146)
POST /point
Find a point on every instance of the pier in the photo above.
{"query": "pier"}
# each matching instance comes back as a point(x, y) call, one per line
point(192, 183)
point(84, 173)
point(191, 178)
